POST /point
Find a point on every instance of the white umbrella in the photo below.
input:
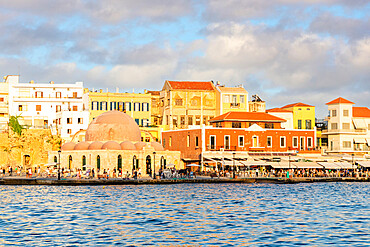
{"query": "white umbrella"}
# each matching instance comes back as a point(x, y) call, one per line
point(192, 165)
point(170, 165)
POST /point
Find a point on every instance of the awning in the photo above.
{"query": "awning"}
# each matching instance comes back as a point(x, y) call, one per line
point(364, 163)
point(330, 165)
point(281, 165)
point(359, 123)
point(254, 163)
point(304, 165)
point(359, 140)
point(345, 165)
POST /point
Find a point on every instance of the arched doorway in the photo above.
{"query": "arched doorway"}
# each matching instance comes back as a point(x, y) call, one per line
point(119, 163)
point(98, 162)
point(135, 163)
point(70, 162)
point(84, 163)
point(148, 165)
point(162, 163)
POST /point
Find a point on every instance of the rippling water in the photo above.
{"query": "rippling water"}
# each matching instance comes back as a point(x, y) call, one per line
point(319, 214)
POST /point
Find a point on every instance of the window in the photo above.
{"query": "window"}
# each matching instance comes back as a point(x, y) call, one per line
point(113, 106)
point(345, 113)
point(299, 124)
point(226, 99)
point(295, 142)
point(170, 141)
point(190, 120)
point(137, 121)
point(69, 131)
point(103, 106)
point(269, 125)
point(174, 121)
point(136, 106)
point(94, 105)
point(347, 144)
point(69, 120)
point(20, 108)
point(196, 141)
point(299, 109)
point(309, 142)
point(235, 99)
point(241, 99)
point(241, 141)
point(334, 126)
point(188, 141)
point(227, 142)
point(302, 146)
point(197, 120)
point(212, 142)
point(345, 126)
point(128, 106)
point(39, 94)
point(255, 141)
point(333, 113)
point(38, 107)
point(75, 108)
point(84, 163)
point(58, 108)
point(178, 102)
point(145, 106)
point(182, 120)
point(236, 124)
point(269, 141)
point(218, 124)
point(282, 141)
point(74, 94)
point(80, 120)
point(58, 95)
point(121, 106)
point(308, 124)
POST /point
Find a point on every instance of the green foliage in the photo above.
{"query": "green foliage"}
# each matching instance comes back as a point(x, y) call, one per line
point(15, 125)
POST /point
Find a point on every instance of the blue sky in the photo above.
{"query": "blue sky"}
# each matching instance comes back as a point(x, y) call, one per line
point(286, 51)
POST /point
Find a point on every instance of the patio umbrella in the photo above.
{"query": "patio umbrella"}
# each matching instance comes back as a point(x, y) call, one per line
point(192, 165)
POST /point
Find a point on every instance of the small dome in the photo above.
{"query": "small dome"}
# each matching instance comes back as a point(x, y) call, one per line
point(82, 146)
point(111, 145)
point(140, 145)
point(113, 126)
point(157, 146)
point(95, 146)
point(68, 146)
point(127, 145)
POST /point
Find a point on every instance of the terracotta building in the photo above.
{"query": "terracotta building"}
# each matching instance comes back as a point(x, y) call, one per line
point(242, 134)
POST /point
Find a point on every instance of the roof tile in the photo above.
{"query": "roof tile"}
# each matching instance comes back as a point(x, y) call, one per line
point(361, 112)
point(192, 85)
point(339, 100)
point(247, 116)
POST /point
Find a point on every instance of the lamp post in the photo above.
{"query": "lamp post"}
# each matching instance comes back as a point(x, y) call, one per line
point(59, 165)
point(233, 164)
point(154, 165)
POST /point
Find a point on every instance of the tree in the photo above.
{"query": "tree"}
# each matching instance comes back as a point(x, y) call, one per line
point(15, 125)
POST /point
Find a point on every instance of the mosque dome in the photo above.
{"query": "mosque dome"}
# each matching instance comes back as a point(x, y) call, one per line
point(127, 145)
point(140, 145)
point(95, 146)
point(111, 145)
point(113, 126)
point(68, 146)
point(157, 146)
point(82, 146)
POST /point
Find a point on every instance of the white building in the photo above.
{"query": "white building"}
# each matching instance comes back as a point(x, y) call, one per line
point(348, 127)
point(284, 114)
point(47, 105)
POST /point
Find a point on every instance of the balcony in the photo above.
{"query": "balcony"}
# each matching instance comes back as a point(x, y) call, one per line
point(234, 105)
point(343, 131)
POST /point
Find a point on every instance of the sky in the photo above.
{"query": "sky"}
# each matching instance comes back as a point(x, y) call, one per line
point(285, 51)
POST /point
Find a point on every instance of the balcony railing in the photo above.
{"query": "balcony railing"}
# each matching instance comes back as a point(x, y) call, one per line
point(234, 105)
point(344, 131)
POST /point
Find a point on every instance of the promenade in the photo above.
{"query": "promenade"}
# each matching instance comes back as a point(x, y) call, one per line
point(143, 181)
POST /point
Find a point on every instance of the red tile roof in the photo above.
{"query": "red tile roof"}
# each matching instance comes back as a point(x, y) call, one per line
point(361, 112)
point(277, 110)
point(247, 116)
point(339, 100)
point(154, 92)
point(192, 85)
point(297, 104)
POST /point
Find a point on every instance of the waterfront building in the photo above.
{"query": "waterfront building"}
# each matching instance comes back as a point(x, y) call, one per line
point(231, 99)
point(239, 135)
point(136, 105)
point(256, 104)
point(284, 114)
point(348, 127)
point(4, 105)
point(187, 103)
point(113, 141)
point(58, 107)
point(303, 115)
point(156, 114)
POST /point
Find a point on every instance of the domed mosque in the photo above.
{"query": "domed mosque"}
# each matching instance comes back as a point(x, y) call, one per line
point(113, 141)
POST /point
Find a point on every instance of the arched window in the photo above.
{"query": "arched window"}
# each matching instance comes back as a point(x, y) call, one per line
point(84, 163)
point(69, 162)
point(119, 162)
point(55, 159)
point(98, 162)
point(148, 165)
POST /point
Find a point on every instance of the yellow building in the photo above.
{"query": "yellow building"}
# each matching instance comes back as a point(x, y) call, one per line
point(136, 105)
point(4, 105)
point(303, 115)
point(156, 114)
point(231, 99)
point(187, 103)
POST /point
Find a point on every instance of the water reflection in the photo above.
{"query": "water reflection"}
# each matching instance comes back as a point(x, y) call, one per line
point(186, 214)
